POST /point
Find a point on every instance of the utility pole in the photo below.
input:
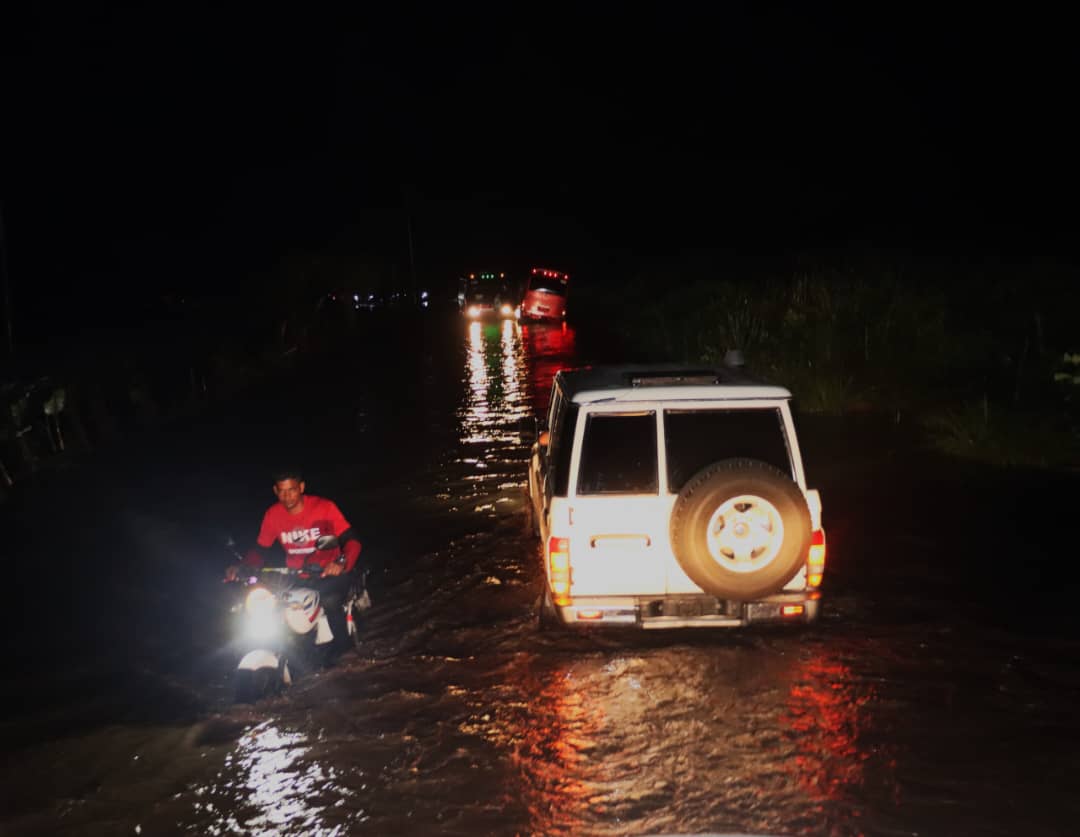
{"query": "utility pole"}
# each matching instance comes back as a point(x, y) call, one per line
point(412, 261)
point(408, 233)
point(5, 282)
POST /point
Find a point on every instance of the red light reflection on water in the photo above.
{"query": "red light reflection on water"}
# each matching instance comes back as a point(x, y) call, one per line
point(829, 718)
point(554, 753)
point(661, 742)
point(548, 348)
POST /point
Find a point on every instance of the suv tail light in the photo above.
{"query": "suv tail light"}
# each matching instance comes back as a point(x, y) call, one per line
point(815, 560)
point(559, 562)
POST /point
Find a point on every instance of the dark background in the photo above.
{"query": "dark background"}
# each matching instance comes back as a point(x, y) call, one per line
point(217, 153)
point(196, 149)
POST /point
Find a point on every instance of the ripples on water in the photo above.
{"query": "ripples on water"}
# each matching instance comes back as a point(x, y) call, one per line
point(459, 718)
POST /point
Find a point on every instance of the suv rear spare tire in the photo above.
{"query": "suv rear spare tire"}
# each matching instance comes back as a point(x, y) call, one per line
point(740, 529)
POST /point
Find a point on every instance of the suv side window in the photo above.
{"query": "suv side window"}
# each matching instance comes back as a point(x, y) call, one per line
point(554, 408)
point(562, 443)
point(696, 438)
point(618, 454)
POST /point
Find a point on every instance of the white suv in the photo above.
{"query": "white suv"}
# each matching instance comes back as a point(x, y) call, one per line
point(668, 497)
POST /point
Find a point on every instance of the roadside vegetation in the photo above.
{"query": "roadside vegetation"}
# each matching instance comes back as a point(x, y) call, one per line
point(85, 388)
point(984, 360)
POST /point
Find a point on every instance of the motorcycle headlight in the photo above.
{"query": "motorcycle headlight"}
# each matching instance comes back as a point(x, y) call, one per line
point(259, 601)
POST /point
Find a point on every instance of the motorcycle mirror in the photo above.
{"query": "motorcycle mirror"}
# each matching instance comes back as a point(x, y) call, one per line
point(326, 542)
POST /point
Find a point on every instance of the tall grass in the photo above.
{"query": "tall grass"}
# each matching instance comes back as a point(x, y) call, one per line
point(931, 341)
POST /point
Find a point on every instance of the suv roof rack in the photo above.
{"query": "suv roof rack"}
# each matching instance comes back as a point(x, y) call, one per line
point(658, 378)
point(652, 375)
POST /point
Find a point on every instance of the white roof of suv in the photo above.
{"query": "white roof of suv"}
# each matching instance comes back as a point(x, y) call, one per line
point(663, 382)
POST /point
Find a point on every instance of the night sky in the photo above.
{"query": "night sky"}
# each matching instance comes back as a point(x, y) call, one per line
point(194, 148)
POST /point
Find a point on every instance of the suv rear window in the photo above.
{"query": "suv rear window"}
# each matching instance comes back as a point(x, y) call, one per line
point(696, 438)
point(618, 454)
point(548, 285)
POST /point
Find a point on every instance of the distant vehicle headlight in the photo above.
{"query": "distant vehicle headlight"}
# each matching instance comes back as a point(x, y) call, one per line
point(506, 310)
point(474, 311)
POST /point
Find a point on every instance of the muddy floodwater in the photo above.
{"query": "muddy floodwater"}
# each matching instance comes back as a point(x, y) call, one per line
point(937, 695)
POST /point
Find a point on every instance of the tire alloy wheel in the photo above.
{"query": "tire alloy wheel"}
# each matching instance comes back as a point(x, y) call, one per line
point(745, 533)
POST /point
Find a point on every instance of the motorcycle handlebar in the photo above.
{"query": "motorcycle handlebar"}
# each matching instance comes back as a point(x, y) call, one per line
point(244, 573)
point(310, 568)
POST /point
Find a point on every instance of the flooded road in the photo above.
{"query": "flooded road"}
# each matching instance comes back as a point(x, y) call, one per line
point(925, 701)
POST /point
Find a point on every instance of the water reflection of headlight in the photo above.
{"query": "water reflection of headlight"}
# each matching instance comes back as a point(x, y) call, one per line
point(510, 356)
point(282, 780)
point(259, 602)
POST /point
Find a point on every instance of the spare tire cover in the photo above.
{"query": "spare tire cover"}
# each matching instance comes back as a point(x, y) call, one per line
point(740, 529)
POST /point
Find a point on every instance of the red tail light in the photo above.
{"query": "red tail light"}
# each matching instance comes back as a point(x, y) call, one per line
point(815, 560)
point(559, 563)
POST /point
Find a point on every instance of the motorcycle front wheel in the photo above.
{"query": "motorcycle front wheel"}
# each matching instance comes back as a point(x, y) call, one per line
point(254, 685)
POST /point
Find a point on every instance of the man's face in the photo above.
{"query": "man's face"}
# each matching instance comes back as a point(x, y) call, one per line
point(290, 494)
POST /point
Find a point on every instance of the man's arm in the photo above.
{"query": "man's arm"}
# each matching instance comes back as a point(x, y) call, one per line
point(259, 554)
point(350, 544)
point(350, 548)
point(262, 551)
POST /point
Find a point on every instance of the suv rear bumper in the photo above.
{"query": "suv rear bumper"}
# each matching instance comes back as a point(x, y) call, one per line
point(665, 612)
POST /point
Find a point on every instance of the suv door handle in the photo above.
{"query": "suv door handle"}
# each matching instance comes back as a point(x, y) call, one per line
point(598, 540)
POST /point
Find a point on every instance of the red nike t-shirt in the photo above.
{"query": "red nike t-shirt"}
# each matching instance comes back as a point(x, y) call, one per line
point(297, 533)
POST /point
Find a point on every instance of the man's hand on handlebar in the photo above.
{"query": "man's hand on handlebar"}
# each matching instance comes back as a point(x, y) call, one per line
point(332, 569)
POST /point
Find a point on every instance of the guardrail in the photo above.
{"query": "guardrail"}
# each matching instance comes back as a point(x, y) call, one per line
point(47, 419)
point(31, 425)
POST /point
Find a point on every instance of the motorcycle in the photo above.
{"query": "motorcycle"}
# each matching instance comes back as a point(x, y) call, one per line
point(279, 619)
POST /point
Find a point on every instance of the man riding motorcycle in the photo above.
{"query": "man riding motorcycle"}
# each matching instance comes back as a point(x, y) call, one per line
point(296, 521)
